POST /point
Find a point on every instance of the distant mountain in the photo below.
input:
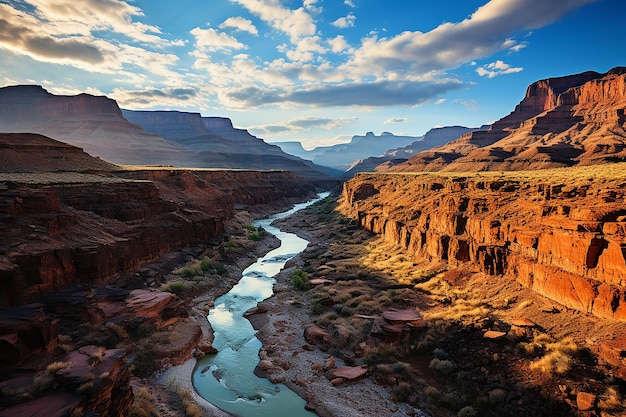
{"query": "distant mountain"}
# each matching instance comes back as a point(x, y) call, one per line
point(434, 137)
point(93, 123)
point(218, 144)
point(98, 126)
point(573, 120)
point(342, 155)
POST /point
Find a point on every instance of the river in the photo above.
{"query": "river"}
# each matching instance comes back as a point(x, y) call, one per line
point(226, 379)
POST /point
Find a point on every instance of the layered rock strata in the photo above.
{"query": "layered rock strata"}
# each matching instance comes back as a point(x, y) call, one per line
point(561, 233)
point(573, 120)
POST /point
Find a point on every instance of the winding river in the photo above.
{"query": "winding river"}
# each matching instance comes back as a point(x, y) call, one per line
point(226, 379)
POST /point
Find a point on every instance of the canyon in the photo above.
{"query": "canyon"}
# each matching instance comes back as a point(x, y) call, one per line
point(77, 232)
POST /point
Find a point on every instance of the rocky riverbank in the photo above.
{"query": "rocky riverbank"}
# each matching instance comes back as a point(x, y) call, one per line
point(478, 345)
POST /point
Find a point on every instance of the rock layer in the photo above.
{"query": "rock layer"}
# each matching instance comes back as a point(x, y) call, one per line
point(561, 233)
point(565, 121)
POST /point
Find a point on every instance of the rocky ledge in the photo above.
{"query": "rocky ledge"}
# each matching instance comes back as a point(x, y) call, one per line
point(560, 233)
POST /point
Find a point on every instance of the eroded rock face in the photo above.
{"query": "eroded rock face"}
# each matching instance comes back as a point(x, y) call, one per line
point(562, 237)
point(573, 120)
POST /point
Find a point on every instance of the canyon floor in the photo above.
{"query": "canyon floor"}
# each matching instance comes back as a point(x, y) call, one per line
point(484, 346)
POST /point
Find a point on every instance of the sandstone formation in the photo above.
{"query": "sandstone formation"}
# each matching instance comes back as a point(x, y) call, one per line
point(218, 144)
point(93, 123)
point(565, 121)
point(560, 232)
point(98, 126)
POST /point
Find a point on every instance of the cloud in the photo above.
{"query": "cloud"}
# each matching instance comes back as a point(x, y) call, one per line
point(349, 3)
point(339, 44)
point(497, 68)
point(67, 33)
point(209, 40)
point(396, 120)
point(345, 22)
point(300, 124)
point(486, 32)
point(310, 6)
point(375, 94)
point(241, 24)
point(295, 23)
point(155, 97)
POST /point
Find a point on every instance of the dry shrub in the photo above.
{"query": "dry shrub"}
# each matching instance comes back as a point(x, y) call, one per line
point(58, 367)
point(143, 405)
point(117, 329)
point(558, 358)
point(611, 400)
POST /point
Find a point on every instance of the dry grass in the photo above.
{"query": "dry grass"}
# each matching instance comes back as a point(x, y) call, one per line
point(558, 358)
point(572, 175)
point(143, 405)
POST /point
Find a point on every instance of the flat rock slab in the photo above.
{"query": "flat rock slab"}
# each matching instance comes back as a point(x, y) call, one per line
point(523, 322)
point(320, 281)
point(348, 372)
point(494, 335)
point(402, 316)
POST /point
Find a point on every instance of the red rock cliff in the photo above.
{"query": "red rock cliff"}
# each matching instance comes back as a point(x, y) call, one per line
point(561, 233)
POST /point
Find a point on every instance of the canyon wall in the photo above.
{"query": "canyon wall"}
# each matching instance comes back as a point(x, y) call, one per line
point(565, 121)
point(65, 229)
point(560, 233)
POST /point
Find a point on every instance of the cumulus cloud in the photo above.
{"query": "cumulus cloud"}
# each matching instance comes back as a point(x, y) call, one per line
point(396, 120)
point(209, 40)
point(497, 68)
point(241, 24)
point(339, 44)
point(486, 32)
point(68, 33)
point(295, 23)
point(349, 3)
point(345, 22)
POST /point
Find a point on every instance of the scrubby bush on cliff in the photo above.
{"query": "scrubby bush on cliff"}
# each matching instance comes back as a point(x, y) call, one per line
point(144, 404)
point(255, 233)
point(300, 280)
point(175, 287)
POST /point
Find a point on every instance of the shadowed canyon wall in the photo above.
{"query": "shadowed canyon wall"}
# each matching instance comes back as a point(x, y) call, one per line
point(561, 234)
point(68, 228)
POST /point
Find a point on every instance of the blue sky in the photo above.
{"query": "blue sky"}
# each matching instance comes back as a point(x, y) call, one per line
point(318, 71)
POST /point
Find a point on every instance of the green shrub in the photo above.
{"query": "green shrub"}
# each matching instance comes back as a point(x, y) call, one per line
point(175, 287)
point(443, 367)
point(256, 233)
point(190, 272)
point(300, 280)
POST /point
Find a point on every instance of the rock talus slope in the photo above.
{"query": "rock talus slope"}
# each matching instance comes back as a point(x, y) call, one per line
point(561, 233)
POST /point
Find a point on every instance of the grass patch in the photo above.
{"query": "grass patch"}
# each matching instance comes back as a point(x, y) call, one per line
point(175, 287)
point(143, 405)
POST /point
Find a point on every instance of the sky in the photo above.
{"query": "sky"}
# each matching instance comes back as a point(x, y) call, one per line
point(314, 71)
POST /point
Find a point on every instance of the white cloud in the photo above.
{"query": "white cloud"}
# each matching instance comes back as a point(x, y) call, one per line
point(295, 23)
point(345, 22)
point(396, 120)
point(440, 101)
point(310, 5)
point(209, 40)
point(241, 24)
point(339, 44)
point(497, 68)
point(450, 45)
point(349, 3)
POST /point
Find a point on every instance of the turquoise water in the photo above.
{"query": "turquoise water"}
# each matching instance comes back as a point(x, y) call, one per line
point(227, 379)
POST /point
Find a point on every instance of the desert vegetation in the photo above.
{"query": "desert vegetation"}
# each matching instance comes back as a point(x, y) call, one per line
point(470, 358)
